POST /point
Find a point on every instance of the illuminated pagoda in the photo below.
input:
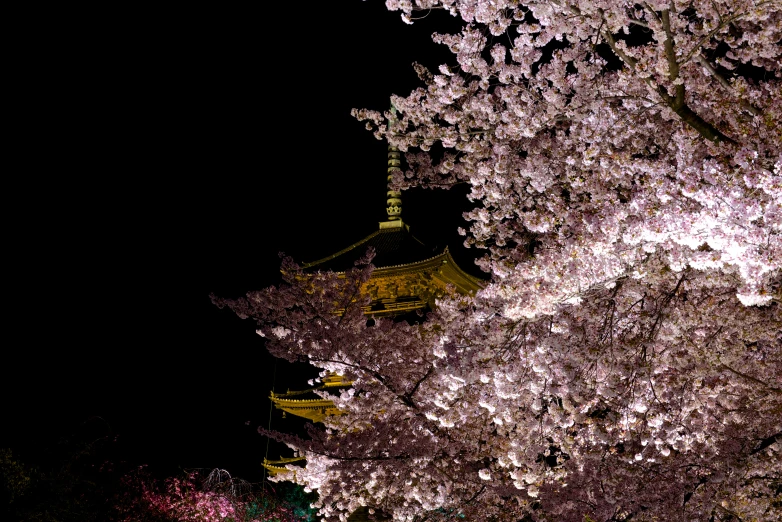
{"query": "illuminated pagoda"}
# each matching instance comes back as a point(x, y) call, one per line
point(408, 277)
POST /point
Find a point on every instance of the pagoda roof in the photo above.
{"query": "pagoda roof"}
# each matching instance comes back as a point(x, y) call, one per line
point(315, 408)
point(394, 245)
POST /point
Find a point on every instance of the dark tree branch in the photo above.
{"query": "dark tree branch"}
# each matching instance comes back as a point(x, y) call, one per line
point(675, 103)
point(765, 443)
point(727, 86)
point(673, 65)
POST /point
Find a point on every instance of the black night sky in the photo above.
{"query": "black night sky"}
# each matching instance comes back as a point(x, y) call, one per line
point(166, 154)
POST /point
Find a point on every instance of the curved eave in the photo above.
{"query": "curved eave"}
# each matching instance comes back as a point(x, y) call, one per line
point(308, 403)
point(334, 381)
point(444, 258)
point(449, 272)
point(341, 252)
point(284, 460)
point(278, 467)
point(276, 470)
point(315, 410)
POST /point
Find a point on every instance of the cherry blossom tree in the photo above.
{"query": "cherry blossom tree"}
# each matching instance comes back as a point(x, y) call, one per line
point(624, 362)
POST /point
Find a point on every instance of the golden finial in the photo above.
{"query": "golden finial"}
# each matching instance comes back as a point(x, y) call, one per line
point(394, 198)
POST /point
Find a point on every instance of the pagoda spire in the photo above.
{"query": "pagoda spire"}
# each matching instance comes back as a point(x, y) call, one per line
point(393, 197)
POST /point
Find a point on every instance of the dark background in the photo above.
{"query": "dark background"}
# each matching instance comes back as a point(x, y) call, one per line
point(158, 156)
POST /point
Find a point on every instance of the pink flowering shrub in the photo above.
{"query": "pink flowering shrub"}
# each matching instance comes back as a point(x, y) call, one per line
point(190, 499)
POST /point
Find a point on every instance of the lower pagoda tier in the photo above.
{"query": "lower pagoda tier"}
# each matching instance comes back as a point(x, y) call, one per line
point(314, 408)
